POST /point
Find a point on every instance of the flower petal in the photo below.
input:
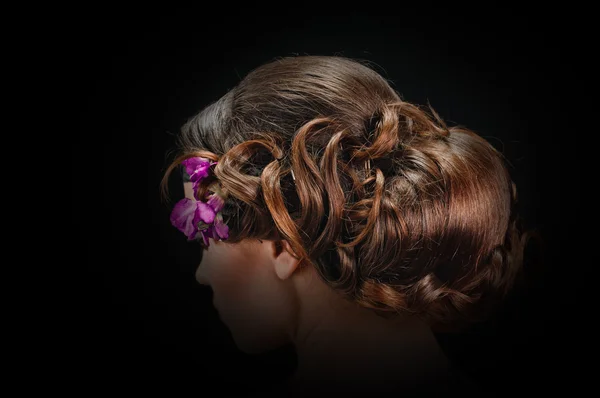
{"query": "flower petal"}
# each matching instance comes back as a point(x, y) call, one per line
point(216, 202)
point(205, 213)
point(183, 215)
point(196, 167)
point(221, 228)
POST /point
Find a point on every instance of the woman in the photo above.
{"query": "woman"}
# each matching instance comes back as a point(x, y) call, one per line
point(337, 217)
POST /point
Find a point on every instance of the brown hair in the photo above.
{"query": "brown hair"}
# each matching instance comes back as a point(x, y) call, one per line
point(393, 208)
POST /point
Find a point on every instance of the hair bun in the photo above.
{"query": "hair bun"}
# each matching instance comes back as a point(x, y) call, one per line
point(392, 207)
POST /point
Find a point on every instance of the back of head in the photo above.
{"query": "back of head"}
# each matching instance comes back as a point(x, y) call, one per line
point(396, 210)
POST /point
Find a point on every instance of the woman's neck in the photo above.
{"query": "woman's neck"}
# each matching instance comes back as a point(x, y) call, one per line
point(339, 341)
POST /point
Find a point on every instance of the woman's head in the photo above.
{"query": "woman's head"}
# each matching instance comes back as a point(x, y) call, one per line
point(391, 208)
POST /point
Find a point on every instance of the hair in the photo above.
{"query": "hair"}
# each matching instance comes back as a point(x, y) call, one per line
point(395, 210)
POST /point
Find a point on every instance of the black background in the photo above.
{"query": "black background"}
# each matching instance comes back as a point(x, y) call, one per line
point(142, 321)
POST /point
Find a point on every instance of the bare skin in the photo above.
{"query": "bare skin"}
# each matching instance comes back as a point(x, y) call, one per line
point(356, 347)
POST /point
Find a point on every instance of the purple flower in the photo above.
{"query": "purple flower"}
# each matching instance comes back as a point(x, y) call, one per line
point(191, 216)
point(197, 168)
point(188, 214)
point(220, 227)
point(183, 216)
point(204, 212)
point(217, 228)
point(216, 202)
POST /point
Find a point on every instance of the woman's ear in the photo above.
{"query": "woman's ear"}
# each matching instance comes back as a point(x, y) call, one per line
point(285, 261)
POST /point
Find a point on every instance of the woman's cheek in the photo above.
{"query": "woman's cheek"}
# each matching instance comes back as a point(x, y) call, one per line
point(230, 281)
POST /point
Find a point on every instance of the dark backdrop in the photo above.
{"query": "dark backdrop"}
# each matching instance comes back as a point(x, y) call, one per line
point(141, 319)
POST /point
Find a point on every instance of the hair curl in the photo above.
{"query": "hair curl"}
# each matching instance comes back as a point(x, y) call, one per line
point(394, 209)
